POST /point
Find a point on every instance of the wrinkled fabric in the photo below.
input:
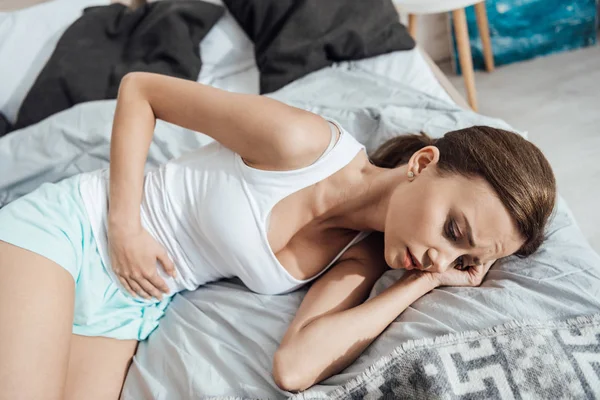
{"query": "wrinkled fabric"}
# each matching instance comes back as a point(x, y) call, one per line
point(107, 42)
point(5, 125)
point(295, 37)
point(220, 339)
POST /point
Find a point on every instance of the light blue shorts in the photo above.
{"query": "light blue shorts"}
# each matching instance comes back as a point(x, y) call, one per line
point(52, 221)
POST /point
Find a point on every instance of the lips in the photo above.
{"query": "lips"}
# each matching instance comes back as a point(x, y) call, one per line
point(413, 261)
point(408, 262)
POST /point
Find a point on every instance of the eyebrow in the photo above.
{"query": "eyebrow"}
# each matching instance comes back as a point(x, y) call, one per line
point(472, 243)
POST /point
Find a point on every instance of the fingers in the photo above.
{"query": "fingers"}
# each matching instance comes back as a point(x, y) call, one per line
point(489, 264)
point(479, 272)
point(145, 286)
point(157, 282)
point(150, 288)
point(150, 283)
point(167, 264)
point(138, 289)
point(478, 268)
point(471, 276)
point(127, 286)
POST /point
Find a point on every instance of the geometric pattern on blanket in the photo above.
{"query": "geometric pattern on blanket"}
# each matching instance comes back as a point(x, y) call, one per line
point(517, 360)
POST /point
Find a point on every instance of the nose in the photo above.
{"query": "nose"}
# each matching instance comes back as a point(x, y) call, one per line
point(440, 261)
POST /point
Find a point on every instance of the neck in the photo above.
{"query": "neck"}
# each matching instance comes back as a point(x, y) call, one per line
point(364, 205)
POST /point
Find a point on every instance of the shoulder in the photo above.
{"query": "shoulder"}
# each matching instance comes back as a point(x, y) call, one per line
point(369, 251)
point(265, 132)
point(304, 140)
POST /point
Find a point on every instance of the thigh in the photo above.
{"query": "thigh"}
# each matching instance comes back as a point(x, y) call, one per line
point(97, 367)
point(36, 317)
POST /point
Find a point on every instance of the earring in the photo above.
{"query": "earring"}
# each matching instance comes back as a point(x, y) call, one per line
point(411, 174)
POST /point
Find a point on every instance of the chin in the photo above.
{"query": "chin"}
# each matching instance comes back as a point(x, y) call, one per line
point(396, 264)
point(388, 262)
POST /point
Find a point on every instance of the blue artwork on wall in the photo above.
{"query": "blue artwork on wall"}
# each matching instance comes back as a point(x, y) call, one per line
point(523, 29)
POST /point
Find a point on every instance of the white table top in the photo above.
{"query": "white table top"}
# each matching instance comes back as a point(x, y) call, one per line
point(431, 6)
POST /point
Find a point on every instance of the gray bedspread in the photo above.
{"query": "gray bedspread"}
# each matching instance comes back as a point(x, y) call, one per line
point(534, 360)
point(219, 340)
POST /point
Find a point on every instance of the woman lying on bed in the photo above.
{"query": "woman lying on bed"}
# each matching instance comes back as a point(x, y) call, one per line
point(281, 198)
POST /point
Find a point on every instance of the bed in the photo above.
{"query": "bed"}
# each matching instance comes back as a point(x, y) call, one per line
point(218, 341)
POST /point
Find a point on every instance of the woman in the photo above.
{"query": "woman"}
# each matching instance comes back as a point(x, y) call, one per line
point(281, 198)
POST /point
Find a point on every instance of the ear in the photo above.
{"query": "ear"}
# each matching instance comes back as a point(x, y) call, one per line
point(421, 159)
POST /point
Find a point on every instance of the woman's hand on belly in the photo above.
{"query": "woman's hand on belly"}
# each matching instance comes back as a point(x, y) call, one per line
point(133, 255)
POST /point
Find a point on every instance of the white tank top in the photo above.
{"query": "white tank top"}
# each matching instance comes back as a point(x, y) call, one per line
point(210, 211)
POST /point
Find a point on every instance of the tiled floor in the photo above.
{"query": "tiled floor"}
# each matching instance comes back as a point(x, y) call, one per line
point(557, 100)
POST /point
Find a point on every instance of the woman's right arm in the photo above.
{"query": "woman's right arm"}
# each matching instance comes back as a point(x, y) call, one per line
point(267, 134)
point(132, 250)
point(132, 132)
point(264, 131)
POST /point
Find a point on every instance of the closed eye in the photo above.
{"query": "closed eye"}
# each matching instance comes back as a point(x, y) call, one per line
point(451, 234)
point(450, 231)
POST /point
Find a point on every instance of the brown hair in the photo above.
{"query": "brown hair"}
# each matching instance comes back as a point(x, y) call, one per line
point(514, 167)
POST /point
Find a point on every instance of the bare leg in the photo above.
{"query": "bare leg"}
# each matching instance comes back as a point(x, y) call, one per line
point(97, 367)
point(36, 319)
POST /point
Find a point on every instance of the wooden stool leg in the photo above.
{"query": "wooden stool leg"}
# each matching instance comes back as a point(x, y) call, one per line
point(412, 25)
point(484, 33)
point(464, 54)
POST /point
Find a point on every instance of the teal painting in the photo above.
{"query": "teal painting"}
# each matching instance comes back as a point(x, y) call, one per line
point(524, 29)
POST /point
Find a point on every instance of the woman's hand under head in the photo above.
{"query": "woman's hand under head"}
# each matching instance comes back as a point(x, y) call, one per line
point(133, 255)
point(469, 276)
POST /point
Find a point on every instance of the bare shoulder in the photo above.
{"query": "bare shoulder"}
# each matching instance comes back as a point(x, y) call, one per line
point(266, 133)
point(305, 140)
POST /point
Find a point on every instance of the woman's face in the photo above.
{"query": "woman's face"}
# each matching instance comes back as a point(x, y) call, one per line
point(426, 213)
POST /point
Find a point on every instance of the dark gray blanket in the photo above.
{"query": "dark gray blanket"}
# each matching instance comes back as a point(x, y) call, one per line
point(295, 37)
point(292, 38)
point(107, 42)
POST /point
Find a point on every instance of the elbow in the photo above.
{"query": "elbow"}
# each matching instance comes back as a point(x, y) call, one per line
point(132, 81)
point(284, 374)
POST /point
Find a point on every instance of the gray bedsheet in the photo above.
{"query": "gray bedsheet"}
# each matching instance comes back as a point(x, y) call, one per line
point(219, 340)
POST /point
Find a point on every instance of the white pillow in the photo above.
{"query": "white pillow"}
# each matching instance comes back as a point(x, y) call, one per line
point(226, 50)
point(27, 39)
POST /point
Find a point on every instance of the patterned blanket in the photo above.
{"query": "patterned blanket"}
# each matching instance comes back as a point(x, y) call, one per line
point(517, 360)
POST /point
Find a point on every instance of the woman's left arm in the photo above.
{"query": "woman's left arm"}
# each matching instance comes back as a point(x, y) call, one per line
point(331, 342)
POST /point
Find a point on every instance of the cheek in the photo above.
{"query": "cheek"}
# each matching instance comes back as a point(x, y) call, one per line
point(422, 221)
point(415, 219)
